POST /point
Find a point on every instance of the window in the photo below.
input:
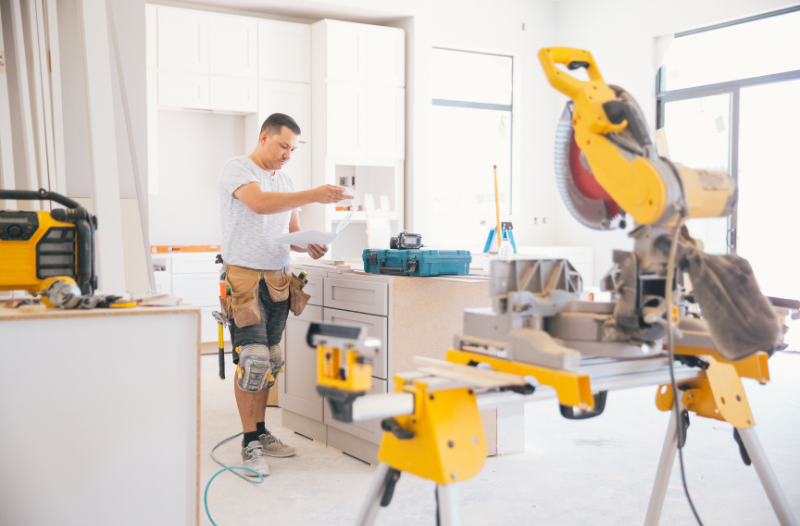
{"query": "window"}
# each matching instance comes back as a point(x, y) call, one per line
point(471, 122)
point(728, 99)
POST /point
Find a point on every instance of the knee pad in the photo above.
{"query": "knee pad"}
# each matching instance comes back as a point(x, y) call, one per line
point(276, 363)
point(254, 366)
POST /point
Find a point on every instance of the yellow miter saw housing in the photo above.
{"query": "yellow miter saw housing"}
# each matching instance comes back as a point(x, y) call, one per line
point(615, 147)
point(39, 248)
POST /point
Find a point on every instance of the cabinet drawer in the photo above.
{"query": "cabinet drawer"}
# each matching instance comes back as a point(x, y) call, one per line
point(208, 327)
point(229, 94)
point(298, 387)
point(314, 289)
point(369, 430)
point(359, 296)
point(195, 263)
point(181, 90)
point(377, 327)
point(197, 289)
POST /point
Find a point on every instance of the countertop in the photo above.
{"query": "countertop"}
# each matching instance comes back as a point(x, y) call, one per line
point(15, 314)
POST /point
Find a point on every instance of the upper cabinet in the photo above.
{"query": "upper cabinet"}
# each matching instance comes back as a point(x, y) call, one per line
point(284, 51)
point(151, 39)
point(386, 56)
point(233, 45)
point(346, 51)
point(358, 78)
point(183, 40)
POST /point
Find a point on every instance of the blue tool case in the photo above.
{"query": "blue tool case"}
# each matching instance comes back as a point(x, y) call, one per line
point(417, 262)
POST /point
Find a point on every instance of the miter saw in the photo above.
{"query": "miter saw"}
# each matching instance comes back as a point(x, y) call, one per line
point(539, 340)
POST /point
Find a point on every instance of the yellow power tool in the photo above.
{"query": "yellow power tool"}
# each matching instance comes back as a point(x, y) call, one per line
point(41, 248)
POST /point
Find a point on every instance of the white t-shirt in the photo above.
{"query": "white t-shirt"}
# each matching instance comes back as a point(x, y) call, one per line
point(246, 235)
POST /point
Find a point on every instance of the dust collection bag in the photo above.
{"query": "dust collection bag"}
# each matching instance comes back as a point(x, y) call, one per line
point(739, 317)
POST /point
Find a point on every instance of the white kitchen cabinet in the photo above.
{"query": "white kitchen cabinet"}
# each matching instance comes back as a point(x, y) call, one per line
point(347, 120)
point(291, 98)
point(233, 45)
point(234, 94)
point(386, 56)
point(385, 116)
point(151, 35)
point(201, 290)
point(299, 167)
point(284, 51)
point(377, 327)
point(298, 387)
point(182, 90)
point(183, 40)
point(346, 50)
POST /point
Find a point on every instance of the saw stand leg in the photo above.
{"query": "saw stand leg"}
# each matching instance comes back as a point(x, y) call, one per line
point(757, 456)
point(448, 499)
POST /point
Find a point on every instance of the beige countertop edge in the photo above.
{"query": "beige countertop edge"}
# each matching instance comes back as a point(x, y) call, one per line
point(14, 314)
point(471, 278)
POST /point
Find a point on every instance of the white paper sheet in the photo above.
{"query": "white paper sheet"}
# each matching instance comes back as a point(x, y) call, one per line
point(308, 237)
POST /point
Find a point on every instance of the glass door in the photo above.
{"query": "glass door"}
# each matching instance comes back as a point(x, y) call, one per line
point(699, 136)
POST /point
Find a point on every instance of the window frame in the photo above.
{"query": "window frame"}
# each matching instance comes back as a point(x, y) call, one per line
point(487, 106)
point(732, 87)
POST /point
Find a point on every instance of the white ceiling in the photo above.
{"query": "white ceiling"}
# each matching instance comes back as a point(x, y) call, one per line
point(354, 10)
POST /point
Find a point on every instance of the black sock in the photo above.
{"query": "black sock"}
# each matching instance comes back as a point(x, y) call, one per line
point(261, 429)
point(249, 437)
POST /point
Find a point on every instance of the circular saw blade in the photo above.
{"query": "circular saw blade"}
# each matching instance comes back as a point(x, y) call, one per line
point(586, 200)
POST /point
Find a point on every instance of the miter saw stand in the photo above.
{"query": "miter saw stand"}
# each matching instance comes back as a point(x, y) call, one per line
point(432, 422)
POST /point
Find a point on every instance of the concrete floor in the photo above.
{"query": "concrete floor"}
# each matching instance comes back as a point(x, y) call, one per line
point(598, 471)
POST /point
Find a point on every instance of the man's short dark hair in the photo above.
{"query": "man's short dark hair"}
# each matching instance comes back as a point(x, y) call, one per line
point(275, 123)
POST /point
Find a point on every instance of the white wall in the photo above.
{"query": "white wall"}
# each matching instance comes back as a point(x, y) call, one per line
point(620, 35)
point(469, 25)
point(192, 148)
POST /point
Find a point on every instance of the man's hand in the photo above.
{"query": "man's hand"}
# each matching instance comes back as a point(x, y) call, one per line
point(329, 193)
point(316, 251)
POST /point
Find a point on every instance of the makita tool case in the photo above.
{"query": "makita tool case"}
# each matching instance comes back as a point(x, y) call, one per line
point(417, 262)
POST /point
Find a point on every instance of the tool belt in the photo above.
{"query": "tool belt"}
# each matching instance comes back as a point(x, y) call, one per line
point(243, 306)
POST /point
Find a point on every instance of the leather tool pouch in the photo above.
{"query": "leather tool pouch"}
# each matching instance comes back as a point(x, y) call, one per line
point(278, 284)
point(299, 299)
point(244, 295)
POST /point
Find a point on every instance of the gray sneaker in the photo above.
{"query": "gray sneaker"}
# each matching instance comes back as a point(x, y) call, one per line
point(253, 458)
point(273, 447)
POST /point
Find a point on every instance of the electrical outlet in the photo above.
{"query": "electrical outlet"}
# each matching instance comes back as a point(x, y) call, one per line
point(535, 220)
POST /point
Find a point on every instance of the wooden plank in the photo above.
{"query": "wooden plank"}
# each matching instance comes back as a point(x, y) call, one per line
point(55, 92)
point(6, 149)
point(102, 137)
point(466, 373)
point(44, 124)
point(20, 94)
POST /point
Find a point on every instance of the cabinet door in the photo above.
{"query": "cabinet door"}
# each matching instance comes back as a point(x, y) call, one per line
point(347, 120)
point(385, 123)
point(299, 169)
point(229, 94)
point(201, 290)
point(233, 45)
point(284, 51)
point(151, 23)
point(347, 51)
point(298, 387)
point(182, 40)
point(377, 327)
point(386, 56)
point(369, 430)
point(179, 90)
point(291, 98)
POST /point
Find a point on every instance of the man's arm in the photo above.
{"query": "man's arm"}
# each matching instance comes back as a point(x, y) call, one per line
point(315, 251)
point(268, 203)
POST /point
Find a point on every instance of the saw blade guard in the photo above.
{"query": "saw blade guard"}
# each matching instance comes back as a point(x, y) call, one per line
point(584, 197)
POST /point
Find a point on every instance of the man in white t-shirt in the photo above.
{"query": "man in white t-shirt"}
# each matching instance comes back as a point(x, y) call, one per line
point(258, 202)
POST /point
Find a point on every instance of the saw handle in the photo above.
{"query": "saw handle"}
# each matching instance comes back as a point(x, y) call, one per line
point(573, 59)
